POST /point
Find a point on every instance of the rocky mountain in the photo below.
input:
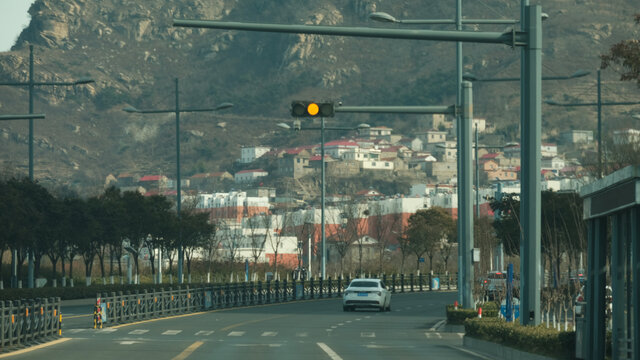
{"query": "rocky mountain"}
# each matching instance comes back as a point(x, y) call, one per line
point(134, 54)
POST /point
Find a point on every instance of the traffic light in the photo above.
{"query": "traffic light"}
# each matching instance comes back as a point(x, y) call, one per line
point(312, 109)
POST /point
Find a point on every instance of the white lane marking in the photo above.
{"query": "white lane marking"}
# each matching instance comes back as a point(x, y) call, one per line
point(434, 327)
point(204, 333)
point(368, 334)
point(470, 352)
point(358, 319)
point(332, 354)
point(340, 324)
point(348, 321)
point(304, 334)
point(269, 333)
point(172, 332)
point(439, 335)
point(376, 346)
point(108, 330)
point(367, 317)
point(129, 342)
point(333, 327)
point(138, 332)
point(236, 333)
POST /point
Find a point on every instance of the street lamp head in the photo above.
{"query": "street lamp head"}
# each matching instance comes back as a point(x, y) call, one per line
point(469, 77)
point(283, 125)
point(544, 16)
point(579, 73)
point(84, 80)
point(382, 17)
point(131, 109)
point(551, 102)
point(225, 105)
point(363, 126)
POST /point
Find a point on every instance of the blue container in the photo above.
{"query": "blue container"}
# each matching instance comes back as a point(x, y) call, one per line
point(435, 283)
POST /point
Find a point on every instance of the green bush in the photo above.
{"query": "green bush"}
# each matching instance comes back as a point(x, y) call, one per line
point(533, 339)
point(457, 317)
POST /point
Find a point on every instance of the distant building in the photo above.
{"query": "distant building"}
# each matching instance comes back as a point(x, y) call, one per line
point(249, 176)
point(155, 182)
point(249, 154)
point(576, 136)
point(375, 132)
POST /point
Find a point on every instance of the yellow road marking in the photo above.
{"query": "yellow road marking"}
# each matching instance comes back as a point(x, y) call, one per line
point(183, 355)
point(36, 347)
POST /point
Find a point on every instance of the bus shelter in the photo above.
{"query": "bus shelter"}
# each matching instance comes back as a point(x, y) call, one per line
point(612, 212)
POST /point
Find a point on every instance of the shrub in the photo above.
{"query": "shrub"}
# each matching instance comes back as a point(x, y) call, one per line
point(533, 339)
point(457, 317)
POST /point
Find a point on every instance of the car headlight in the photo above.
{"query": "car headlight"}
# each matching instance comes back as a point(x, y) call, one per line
point(379, 293)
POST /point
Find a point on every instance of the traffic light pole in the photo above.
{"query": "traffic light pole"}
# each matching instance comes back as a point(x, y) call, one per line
point(530, 39)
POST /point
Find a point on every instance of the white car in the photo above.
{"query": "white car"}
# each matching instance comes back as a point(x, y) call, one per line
point(366, 293)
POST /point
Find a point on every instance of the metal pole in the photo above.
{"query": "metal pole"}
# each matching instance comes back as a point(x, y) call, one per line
point(600, 167)
point(465, 181)
point(461, 230)
point(31, 254)
point(477, 177)
point(309, 272)
point(178, 188)
point(322, 194)
point(531, 199)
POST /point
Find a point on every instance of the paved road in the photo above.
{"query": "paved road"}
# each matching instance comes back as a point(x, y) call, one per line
point(298, 330)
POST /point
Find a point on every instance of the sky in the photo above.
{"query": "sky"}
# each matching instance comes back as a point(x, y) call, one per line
point(13, 18)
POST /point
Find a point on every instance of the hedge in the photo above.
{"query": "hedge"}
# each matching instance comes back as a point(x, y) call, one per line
point(457, 317)
point(533, 339)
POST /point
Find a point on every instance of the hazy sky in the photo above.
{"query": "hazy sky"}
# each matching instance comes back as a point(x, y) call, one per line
point(13, 18)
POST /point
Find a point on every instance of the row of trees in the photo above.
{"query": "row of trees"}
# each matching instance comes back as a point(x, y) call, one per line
point(104, 227)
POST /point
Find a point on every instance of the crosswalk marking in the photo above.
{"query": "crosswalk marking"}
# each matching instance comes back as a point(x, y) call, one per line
point(368, 334)
point(304, 334)
point(171, 332)
point(138, 332)
point(269, 333)
point(108, 330)
point(204, 333)
point(236, 333)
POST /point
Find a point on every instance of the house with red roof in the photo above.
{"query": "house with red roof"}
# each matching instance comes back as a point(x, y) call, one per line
point(154, 182)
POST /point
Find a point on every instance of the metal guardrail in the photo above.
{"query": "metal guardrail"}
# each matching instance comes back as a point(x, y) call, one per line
point(126, 307)
point(25, 321)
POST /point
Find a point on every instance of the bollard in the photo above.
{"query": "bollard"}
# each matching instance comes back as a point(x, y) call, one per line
point(411, 280)
point(455, 305)
point(479, 313)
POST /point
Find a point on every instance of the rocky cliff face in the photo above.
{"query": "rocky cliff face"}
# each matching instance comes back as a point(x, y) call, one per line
point(130, 48)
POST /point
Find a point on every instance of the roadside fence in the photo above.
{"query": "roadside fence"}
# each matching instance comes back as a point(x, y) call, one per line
point(26, 321)
point(118, 308)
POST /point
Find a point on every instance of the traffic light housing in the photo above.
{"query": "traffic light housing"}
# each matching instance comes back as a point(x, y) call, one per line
point(312, 109)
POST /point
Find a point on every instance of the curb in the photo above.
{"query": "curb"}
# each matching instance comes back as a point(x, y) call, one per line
point(499, 351)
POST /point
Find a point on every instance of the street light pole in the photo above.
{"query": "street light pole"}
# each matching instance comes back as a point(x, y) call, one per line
point(177, 110)
point(598, 104)
point(30, 86)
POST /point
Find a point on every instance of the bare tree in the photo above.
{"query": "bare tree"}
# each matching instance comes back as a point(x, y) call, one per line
point(280, 225)
point(343, 235)
point(383, 224)
point(258, 234)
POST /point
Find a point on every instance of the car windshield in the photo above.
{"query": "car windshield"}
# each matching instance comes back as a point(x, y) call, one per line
point(364, 284)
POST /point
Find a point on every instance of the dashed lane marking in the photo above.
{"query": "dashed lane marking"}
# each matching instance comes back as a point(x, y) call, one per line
point(138, 332)
point(236, 333)
point(367, 334)
point(204, 333)
point(172, 332)
point(269, 333)
point(188, 351)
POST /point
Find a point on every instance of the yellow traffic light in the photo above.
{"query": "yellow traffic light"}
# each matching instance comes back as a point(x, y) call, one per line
point(312, 109)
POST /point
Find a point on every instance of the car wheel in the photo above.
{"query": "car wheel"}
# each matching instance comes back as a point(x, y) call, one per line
point(382, 308)
point(389, 307)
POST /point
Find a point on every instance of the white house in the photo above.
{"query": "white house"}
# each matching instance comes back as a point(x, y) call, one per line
point(248, 176)
point(250, 153)
point(336, 148)
point(552, 163)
